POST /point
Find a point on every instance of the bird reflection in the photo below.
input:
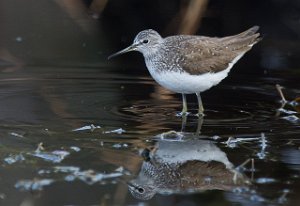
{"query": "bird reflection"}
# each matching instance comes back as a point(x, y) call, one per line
point(184, 165)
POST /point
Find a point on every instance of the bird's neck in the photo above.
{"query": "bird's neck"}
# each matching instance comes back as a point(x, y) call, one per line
point(150, 54)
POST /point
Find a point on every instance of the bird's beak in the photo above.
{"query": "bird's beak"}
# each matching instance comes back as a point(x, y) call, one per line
point(131, 186)
point(128, 49)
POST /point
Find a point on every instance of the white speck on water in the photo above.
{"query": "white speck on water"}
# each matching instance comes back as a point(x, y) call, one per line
point(28, 185)
point(76, 149)
point(119, 145)
point(66, 169)
point(116, 131)
point(257, 198)
point(11, 159)
point(215, 137)
point(42, 172)
point(16, 134)
point(88, 127)
point(2, 196)
point(19, 39)
point(261, 155)
point(265, 180)
point(119, 169)
point(88, 176)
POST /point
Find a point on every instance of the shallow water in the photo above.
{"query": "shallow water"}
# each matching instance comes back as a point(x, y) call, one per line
point(80, 136)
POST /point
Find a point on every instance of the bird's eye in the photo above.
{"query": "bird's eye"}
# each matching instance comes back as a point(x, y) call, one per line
point(145, 41)
point(141, 190)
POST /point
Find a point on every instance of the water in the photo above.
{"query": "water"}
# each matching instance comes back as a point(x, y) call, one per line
point(80, 136)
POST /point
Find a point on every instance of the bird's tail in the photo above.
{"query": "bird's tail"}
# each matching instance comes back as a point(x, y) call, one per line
point(244, 40)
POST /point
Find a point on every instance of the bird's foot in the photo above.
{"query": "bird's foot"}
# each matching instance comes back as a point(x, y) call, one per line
point(200, 114)
point(182, 114)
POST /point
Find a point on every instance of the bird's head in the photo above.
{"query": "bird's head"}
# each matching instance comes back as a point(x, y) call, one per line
point(147, 42)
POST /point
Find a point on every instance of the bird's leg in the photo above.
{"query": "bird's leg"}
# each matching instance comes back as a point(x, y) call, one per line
point(200, 105)
point(199, 125)
point(184, 105)
point(183, 122)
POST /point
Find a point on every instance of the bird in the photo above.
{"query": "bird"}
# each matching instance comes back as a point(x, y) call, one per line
point(191, 64)
point(180, 167)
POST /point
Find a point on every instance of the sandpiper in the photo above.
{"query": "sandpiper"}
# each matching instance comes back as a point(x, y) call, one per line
point(189, 64)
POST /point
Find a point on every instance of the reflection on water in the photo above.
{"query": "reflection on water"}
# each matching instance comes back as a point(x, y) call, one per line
point(84, 136)
point(183, 166)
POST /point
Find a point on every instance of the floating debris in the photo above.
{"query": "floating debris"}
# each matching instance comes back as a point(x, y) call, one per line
point(295, 103)
point(231, 142)
point(116, 131)
point(66, 169)
point(291, 118)
point(88, 127)
point(11, 159)
point(16, 134)
point(282, 110)
point(36, 184)
point(55, 156)
point(88, 176)
point(263, 141)
point(263, 145)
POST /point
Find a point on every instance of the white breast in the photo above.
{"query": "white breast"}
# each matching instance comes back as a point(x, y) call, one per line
point(183, 82)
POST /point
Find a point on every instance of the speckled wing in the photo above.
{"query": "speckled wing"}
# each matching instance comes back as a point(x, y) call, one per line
point(204, 54)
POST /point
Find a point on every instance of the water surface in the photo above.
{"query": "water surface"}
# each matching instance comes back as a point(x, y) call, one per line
point(80, 136)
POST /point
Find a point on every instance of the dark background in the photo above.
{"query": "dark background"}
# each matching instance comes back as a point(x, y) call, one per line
point(84, 33)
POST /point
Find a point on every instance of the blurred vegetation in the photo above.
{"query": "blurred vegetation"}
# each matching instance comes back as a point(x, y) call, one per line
point(84, 32)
